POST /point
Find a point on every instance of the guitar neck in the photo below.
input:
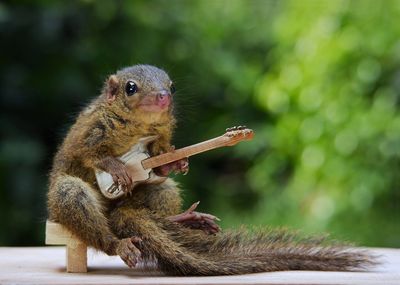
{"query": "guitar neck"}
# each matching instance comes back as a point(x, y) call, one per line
point(177, 154)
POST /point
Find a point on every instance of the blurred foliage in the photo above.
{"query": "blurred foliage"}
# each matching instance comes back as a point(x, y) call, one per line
point(319, 82)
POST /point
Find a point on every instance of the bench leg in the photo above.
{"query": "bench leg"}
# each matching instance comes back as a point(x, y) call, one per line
point(76, 257)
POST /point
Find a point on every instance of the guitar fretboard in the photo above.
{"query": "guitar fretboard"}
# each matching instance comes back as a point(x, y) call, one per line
point(168, 157)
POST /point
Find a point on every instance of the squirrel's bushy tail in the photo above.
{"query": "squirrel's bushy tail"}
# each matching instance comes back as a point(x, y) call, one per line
point(181, 251)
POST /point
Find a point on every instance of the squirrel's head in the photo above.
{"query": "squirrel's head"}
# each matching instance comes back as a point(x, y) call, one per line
point(142, 90)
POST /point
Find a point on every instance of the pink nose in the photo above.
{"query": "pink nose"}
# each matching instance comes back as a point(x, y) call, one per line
point(163, 98)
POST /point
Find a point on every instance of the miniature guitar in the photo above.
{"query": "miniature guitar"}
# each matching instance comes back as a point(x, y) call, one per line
point(141, 164)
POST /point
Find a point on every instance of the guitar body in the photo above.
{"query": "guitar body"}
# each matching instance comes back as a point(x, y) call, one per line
point(133, 160)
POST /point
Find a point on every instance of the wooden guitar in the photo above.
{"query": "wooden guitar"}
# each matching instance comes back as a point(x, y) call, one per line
point(141, 164)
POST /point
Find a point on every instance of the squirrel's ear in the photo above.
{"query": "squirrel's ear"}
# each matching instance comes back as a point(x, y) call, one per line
point(112, 88)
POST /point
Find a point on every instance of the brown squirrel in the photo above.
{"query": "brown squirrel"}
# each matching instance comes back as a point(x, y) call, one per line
point(148, 225)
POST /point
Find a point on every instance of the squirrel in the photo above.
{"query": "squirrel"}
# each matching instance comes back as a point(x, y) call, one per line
point(148, 225)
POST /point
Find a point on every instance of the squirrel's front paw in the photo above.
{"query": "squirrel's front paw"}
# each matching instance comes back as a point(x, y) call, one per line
point(179, 166)
point(121, 177)
point(128, 252)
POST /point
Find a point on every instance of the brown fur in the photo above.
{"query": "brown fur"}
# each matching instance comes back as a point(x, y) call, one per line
point(107, 128)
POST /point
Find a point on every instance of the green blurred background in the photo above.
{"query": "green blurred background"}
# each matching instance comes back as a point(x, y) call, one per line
point(318, 81)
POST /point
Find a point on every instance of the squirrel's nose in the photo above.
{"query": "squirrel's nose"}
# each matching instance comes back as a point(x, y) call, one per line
point(163, 97)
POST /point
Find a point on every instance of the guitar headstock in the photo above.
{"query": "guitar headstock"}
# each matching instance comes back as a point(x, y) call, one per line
point(238, 134)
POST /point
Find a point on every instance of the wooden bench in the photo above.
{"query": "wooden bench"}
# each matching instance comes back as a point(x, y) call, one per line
point(76, 252)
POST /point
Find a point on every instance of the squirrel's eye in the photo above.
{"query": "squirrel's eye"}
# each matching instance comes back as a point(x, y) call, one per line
point(131, 88)
point(173, 89)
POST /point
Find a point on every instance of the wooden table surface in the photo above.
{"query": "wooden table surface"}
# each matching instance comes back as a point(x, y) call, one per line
point(46, 265)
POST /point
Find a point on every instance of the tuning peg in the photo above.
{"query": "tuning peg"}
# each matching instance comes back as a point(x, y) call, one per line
point(236, 128)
